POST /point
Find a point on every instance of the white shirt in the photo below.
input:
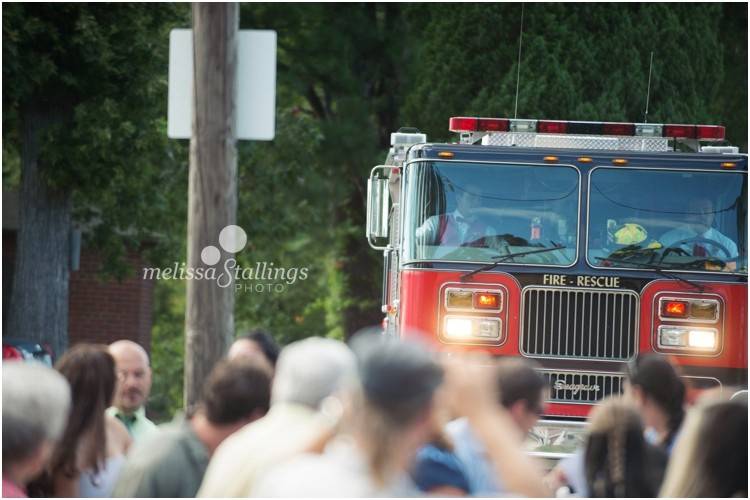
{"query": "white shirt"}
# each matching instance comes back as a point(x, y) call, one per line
point(687, 233)
point(241, 458)
point(427, 233)
point(341, 471)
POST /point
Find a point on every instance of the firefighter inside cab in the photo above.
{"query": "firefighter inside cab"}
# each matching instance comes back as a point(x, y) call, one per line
point(466, 225)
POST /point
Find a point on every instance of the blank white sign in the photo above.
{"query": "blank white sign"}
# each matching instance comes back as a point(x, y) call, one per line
point(256, 85)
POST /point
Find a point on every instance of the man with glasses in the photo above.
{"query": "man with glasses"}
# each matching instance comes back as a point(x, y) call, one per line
point(522, 392)
point(133, 388)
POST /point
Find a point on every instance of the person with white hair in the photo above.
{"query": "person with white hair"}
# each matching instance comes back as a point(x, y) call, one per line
point(308, 372)
point(391, 417)
point(36, 402)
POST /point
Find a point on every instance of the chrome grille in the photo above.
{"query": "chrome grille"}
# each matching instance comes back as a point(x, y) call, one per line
point(578, 323)
point(582, 387)
point(534, 140)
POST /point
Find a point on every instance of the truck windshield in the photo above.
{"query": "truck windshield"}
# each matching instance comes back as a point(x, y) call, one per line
point(478, 212)
point(668, 219)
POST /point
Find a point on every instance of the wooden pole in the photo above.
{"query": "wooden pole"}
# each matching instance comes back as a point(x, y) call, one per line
point(212, 192)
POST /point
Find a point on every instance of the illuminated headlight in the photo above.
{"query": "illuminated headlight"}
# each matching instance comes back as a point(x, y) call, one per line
point(702, 339)
point(458, 328)
point(465, 328)
point(699, 339)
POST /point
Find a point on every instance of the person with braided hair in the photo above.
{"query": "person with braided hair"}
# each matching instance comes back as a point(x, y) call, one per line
point(658, 392)
point(618, 462)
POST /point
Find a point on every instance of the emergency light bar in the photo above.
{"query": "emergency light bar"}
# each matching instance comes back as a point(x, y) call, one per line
point(699, 132)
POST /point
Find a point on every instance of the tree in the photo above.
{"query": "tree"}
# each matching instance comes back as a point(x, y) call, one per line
point(84, 101)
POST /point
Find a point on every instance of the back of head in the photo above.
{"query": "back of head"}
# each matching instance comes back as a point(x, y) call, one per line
point(236, 390)
point(398, 378)
point(36, 402)
point(90, 371)
point(265, 343)
point(518, 380)
point(398, 381)
point(710, 457)
point(615, 457)
point(310, 370)
point(658, 379)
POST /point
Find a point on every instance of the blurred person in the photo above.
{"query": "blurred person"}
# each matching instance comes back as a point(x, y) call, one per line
point(391, 417)
point(710, 456)
point(308, 373)
point(171, 463)
point(618, 462)
point(133, 388)
point(521, 392)
point(257, 345)
point(36, 402)
point(437, 470)
point(657, 390)
point(473, 392)
point(87, 459)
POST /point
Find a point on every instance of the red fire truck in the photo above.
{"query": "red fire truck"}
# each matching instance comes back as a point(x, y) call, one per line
point(576, 244)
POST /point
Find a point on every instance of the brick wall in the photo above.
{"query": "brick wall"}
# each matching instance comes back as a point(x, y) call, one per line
point(105, 311)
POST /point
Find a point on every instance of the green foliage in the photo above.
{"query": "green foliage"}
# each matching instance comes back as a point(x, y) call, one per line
point(579, 62)
point(101, 70)
point(167, 349)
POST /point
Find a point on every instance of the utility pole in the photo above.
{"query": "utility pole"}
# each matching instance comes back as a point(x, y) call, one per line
point(212, 191)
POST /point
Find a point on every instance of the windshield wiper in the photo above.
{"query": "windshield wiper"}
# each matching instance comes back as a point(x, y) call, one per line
point(503, 258)
point(655, 268)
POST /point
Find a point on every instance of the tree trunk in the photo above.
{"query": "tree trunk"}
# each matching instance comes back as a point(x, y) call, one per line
point(39, 296)
point(212, 192)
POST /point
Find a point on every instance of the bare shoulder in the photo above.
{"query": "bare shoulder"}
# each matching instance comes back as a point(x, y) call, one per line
point(118, 438)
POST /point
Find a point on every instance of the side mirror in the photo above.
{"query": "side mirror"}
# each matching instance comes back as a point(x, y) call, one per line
point(378, 207)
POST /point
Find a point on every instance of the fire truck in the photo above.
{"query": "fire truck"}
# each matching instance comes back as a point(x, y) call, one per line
point(576, 244)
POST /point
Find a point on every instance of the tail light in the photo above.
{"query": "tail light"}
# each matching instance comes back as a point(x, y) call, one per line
point(10, 352)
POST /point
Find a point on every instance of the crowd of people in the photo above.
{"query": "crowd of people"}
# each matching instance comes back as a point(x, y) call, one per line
point(377, 417)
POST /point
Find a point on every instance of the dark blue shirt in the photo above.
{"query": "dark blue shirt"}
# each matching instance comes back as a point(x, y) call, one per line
point(435, 467)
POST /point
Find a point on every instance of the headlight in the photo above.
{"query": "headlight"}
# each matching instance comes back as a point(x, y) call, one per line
point(458, 328)
point(702, 339)
point(468, 328)
point(697, 339)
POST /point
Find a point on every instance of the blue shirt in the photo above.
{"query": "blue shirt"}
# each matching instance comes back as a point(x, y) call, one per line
point(482, 476)
point(686, 233)
point(435, 467)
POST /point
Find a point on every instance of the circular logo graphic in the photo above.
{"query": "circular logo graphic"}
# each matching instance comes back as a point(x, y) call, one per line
point(210, 255)
point(233, 239)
